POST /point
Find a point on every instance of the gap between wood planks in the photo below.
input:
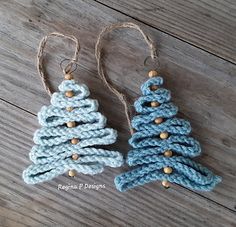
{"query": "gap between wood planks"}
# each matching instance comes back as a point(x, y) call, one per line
point(165, 32)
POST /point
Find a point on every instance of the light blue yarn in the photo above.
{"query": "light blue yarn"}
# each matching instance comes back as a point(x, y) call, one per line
point(148, 148)
point(52, 153)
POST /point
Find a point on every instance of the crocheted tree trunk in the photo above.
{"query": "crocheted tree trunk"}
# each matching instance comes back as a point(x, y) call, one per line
point(161, 145)
point(71, 126)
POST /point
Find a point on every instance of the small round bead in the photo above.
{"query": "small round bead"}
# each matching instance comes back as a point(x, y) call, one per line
point(158, 120)
point(69, 94)
point(70, 124)
point(72, 173)
point(69, 108)
point(165, 183)
point(74, 141)
point(75, 156)
point(68, 77)
point(168, 170)
point(168, 153)
point(154, 104)
point(154, 87)
point(164, 135)
point(152, 73)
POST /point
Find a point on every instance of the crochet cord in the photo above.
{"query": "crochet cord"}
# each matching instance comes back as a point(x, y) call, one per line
point(53, 150)
point(148, 148)
point(68, 67)
point(98, 50)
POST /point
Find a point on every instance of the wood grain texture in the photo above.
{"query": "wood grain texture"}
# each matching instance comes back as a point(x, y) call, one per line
point(45, 205)
point(208, 24)
point(202, 85)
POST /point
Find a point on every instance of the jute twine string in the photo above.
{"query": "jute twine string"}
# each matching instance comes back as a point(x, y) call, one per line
point(98, 55)
point(40, 54)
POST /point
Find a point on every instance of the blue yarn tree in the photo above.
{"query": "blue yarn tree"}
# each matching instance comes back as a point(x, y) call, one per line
point(71, 126)
point(162, 148)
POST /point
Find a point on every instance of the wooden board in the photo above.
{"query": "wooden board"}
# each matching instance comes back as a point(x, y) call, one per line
point(202, 85)
point(207, 24)
point(45, 205)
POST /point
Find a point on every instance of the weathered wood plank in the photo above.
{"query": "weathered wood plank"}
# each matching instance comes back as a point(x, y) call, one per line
point(45, 205)
point(208, 24)
point(203, 86)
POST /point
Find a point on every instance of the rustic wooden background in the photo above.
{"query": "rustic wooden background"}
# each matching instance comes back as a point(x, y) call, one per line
point(197, 48)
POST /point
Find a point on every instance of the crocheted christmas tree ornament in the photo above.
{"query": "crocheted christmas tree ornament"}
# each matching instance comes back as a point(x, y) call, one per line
point(71, 126)
point(161, 145)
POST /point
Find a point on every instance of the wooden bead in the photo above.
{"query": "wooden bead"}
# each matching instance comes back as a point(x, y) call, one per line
point(168, 170)
point(168, 153)
point(164, 135)
point(165, 183)
point(68, 77)
point(154, 87)
point(152, 73)
point(158, 120)
point(69, 94)
point(74, 141)
point(154, 104)
point(132, 131)
point(75, 156)
point(72, 173)
point(70, 124)
point(69, 109)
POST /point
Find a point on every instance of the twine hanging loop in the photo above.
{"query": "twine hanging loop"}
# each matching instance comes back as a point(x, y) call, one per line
point(68, 67)
point(98, 54)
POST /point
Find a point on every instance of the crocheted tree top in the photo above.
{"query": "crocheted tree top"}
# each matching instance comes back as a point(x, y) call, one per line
point(56, 143)
point(165, 158)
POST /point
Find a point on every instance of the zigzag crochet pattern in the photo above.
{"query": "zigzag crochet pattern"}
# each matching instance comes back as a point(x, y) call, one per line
point(161, 145)
point(60, 147)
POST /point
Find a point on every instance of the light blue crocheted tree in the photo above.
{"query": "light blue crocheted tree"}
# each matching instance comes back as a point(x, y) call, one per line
point(161, 145)
point(71, 126)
